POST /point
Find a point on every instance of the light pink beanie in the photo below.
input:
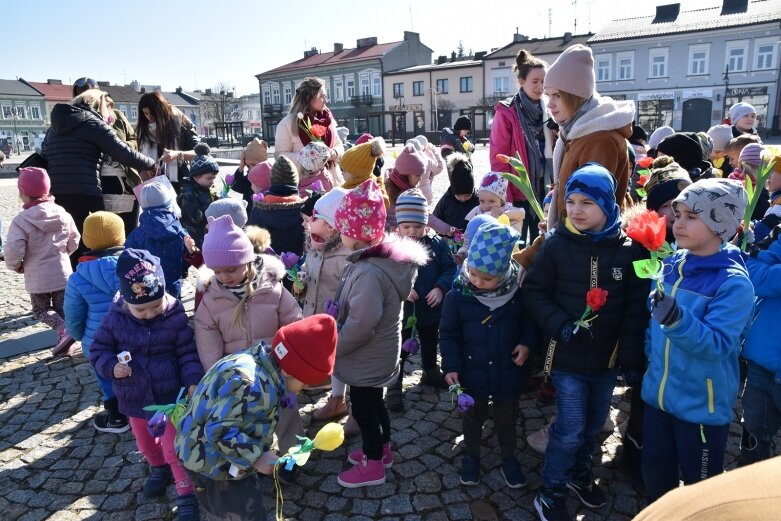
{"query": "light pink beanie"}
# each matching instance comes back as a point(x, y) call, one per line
point(410, 162)
point(573, 72)
point(260, 175)
point(226, 245)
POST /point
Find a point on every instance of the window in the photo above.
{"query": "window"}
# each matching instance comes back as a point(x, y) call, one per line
point(134, 112)
point(604, 64)
point(765, 52)
point(350, 88)
point(465, 84)
point(266, 97)
point(625, 66)
point(698, 59)
point(21, 112)
point(736, 53)
point(365, 88)
point(398, 90)
point(338, 89)
point(657, 63)
point(7, 112)
point(442, 86)
point(376, 85)
point(275, 95)
point(417, 88)
point(123, 110)
point(288, 94)
point(501, 84)
point(35, 112)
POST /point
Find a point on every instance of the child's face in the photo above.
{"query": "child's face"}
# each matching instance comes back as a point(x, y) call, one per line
point(206, 180)
point(733, 154)
point(412, 230)
point(149, 310)
point(747, 122)
point(413, 180)
point(24, 198)
point(320, 232)
point(774, 182)
point(488, 201)
point(585, 214)
point(482, 280)
point(462, 197)
point(692, 233)
point(232, 275)
point(666, 210)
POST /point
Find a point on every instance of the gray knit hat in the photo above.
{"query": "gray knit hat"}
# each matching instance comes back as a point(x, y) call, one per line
point(720, 203)
point(236, 208)
point(284, 172)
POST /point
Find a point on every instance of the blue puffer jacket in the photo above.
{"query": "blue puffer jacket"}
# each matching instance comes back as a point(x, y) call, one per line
point(164, 358)
point(762, 346)
point(693, 364)
point(438, 272)
point(89, 294)
point(161, 234)
point(477, 344)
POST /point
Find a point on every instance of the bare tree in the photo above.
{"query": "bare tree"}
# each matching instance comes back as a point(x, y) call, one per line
point(220, 105)
point(444, 104)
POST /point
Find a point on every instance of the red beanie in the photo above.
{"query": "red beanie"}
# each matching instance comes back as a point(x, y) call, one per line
point(33, 182)
point(306, 349)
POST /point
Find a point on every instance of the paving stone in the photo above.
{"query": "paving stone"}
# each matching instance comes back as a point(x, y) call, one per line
point(459, 511)
point(366, 507)
point(151, 512)
point(399, 504)
point(117, 502)
point(423, 502)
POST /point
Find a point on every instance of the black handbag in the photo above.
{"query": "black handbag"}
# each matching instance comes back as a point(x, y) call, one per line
point(33, 160)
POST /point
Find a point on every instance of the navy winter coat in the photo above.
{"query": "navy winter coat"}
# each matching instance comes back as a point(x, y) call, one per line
point(194, 200)
point(477, 344)
point(164, 358)
point(161, 234)
point(74, 146)
point(438, 272)
point(284, 222)
point(453, 211)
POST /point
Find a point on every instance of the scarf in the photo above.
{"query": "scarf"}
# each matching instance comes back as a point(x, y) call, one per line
point(491, 298)
point(585, 107)
point(775, 198)
point(282, 190)
point(35, 202)
point(610, 231)
point(401, 181)
point(316, 118)
point(530, 115)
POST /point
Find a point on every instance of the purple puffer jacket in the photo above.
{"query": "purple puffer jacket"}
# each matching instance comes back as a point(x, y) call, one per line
point(164, 357)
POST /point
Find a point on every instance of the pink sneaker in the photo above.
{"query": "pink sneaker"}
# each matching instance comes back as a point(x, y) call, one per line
point(367, 472)
point(356, 456)
point(62, 345)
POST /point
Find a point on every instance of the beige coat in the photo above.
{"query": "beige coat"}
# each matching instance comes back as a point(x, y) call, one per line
point(288, 143)
point(323, 270)
point(269, 308)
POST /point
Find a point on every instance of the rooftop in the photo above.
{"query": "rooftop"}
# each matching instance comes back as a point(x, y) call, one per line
point(17, 88)
point(336, 58)
point(53, 90)
point(669, 21)
point(437, 66)
point(176, 99)
point(538, 46)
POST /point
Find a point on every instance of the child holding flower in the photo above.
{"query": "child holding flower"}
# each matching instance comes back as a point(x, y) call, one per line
point(586, 252)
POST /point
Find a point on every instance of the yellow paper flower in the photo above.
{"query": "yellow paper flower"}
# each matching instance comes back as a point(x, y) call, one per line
point(503, 219)
point(330, 437)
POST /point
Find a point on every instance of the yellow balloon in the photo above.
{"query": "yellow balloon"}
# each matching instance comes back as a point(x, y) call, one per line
point(330, 437)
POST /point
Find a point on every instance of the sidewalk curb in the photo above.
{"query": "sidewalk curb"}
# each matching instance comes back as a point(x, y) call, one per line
point(27, 343)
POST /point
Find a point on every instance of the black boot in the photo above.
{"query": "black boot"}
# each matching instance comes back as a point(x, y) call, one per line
point(434, 377)
point(394, 400)
point(111, 420)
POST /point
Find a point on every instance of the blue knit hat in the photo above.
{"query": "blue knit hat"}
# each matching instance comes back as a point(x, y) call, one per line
point(491, 249)
point(140, 276)
point(475, 223)
point(597, 183)
point(203, 162)
point(412, 207)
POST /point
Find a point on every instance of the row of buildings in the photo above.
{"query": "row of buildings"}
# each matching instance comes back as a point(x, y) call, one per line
point(683, 69)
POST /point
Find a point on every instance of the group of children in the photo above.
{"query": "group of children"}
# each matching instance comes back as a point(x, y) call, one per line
point(365, 287)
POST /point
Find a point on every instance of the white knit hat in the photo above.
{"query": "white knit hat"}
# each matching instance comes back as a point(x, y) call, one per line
point(721, 135)
point(494, 183)
point(325, 207)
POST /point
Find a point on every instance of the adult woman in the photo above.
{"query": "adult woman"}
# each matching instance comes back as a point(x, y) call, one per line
point(291, 136)
point(78, 139)
point(165, 133)
point(519, 127)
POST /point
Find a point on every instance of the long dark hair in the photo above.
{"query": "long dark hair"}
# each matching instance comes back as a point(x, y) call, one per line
point(525, 62)
point(165, 116)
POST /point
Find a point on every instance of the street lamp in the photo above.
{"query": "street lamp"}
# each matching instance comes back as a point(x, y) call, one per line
point(434, 94)
point(726, 89)
point(15, 138)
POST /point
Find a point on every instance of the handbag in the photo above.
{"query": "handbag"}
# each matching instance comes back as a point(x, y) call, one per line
point(33, 160)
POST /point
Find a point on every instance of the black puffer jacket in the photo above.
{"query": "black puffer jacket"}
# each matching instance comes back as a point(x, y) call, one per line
point(74, 147)
point(555, 295)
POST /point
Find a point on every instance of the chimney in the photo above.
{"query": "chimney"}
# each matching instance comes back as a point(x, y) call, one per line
point(452, 56)
point(567, 36)
point(338, 47)
point(668, 13)
point(366, 42)
point(208, 92)
point(54, 82)
point(734, 7)
point(409, 36)
point(134, 85)
point(441, 60)
point(518, 37)
point(178, 90)
point(143, 90)
point(310, 52)
point(480, 55)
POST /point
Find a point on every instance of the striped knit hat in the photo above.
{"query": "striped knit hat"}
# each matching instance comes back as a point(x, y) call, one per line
point(411, 207)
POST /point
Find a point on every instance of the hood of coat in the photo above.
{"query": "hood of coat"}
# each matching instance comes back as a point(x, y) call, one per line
point(171, 305)
point(728, 259)
point(397, 257)
point(102, 271)
point(66, 117)
point(44, 217)
point(608, 114)
point(157, 221)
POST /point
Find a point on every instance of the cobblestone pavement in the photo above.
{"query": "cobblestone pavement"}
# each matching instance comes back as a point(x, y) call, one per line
point(54, 465)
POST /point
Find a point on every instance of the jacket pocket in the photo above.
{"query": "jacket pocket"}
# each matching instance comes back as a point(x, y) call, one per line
point(709, 385)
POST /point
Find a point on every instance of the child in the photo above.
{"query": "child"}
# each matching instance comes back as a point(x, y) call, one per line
point(458, 139)
point(425, 300)
point(88, 296)
point(721, 136)
point(435, 166)
point(280, 211)
point(160, 233)
point(260, 179)
point(152, 327)
point(196, 195)
point(743, 117)
point(749, 160)
point(40, 239)
point(460, 198)
point(313, 158)
point(736, 145)
point(236, 208)
point(693, 341)
point(483, 347)
point(377, 280)
point(405, 174)
point(587, 251)
point(243, 303)
point(772, 216)
point(665, 181)
point(361, 163)
point(686, 149)
point(254, 153)
point(469, 234)
point(226, 431)
point(492, 197)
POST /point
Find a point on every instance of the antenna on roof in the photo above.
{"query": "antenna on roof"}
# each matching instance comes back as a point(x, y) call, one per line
point(550, 20)
point(589, 3)
point(411, 25)
point(575, 10)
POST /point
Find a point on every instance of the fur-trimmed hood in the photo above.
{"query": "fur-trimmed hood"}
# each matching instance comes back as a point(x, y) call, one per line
point(395, 256)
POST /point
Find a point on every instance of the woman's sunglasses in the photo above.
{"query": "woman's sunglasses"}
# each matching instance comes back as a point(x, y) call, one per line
point(85, 81)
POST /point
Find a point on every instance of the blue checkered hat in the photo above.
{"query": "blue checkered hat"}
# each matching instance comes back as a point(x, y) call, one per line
point(491, 249)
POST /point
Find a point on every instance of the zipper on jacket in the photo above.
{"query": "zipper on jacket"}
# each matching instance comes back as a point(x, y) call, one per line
point(663, 382)
point(709, 383)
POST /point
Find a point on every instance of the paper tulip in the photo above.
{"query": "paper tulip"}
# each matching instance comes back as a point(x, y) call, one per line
point(173, 411)
point(770, 158)
point(522, 182)
point(331, 307)
point(292, 264)
point(229, 179)
point(411, 346)
point(463, 400)
point(289, 401)
point(156, 425)
point(256, 198)
point(595, 299)
point(650, 230)
point(289, 259)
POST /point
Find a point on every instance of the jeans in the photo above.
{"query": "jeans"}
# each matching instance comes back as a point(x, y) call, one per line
point(370, 414)
point(505, 416)
point(582, 406)
point(673, 447)
point(761, 414)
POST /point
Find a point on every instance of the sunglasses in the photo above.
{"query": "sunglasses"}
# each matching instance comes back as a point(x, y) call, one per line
point(85, 81)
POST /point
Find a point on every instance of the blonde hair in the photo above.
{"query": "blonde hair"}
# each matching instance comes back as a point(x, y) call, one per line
point(238, 313)
point(95, 99)
point(305, 93)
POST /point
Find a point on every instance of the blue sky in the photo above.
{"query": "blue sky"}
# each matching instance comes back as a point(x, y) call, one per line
point(199, 44)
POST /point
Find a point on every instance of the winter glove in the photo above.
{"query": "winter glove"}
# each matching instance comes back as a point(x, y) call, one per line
point(664, 309)
point(633, 377)
point(568, 333)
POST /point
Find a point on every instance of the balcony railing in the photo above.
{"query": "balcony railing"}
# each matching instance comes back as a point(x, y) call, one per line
point(363, 99)
point(272, 108)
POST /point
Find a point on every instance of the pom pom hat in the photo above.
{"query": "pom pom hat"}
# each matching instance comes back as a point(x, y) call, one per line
point(203, 162)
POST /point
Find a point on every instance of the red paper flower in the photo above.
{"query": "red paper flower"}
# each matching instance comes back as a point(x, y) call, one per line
point(649, 229)
point(644, 162)
point(596, 298)
point(642, 180)
point(317, 130)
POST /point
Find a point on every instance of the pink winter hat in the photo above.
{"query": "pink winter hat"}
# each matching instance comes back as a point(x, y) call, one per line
point(33, 182)
point(260, 174)
point(361, 214)
point(410, 162)
point(226, 245)
point(573, 72)
point(751, 154)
